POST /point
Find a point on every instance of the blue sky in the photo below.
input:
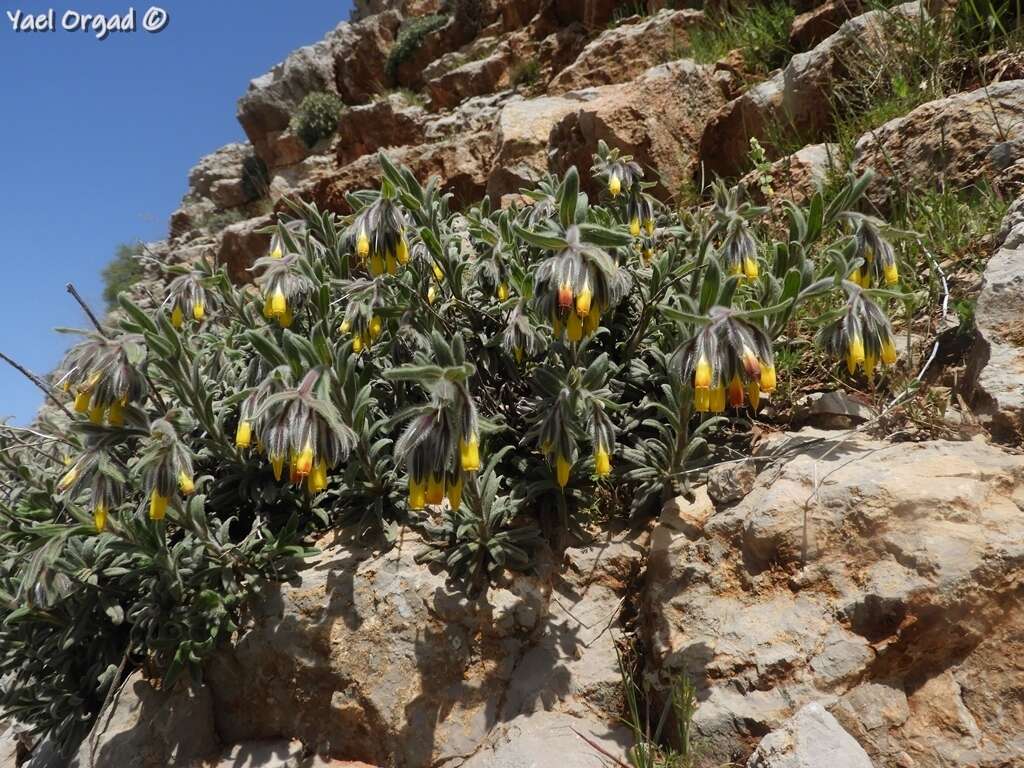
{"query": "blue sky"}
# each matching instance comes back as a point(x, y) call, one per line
point(98, 138)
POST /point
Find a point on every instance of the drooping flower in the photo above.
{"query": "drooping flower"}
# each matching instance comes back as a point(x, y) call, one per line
point(187, 298)
point(879, 257)
point(575, 286)
point(378, 237)
point(727, 359)
point(167, 467)
point(106, 377)
point(618, 171)
point(860, 335)
point(302, 426)
point(284, 287)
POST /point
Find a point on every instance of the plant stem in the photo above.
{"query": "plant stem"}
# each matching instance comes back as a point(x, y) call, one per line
point(37, 381)
point(88, 310)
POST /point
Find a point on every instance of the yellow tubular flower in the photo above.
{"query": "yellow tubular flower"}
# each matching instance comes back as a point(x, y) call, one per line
point(717, 400)
point(317, 480)
point(357, 344)
point(69, 477)
point(562, 467)
point(417, 494)
point(198, 311)
point(502, 291)
point(702, 374)
point(177, 317)
point(438, 273)
point(574, 327)
point(435, 490)
point(268, 307)
point(96, 414)
point(891, 273)
point(854, 353)
point(278, 303)
point(375, 327)
point(649, 226)
point(602, 463)
point(556, 325)
point(82, 401)
point(753, 394)
point(243, 435)
point(518, 352)
point(736, 392)
point(888, 352)
point(157, 506)
point(767, 378)
point(277, 253)
point(277, 463)
point(702, 399)
point(565, 295)
point(115, 415)
point(469, 453)
point(454, 493)
point(363, 244)
point(391, 264)
point(431, 295)
point(614, 185)
point(377, 265)
point(750, 268)
point(286, 319)
point(185, 483)
point(345, 326)
point(99, 514)
point(304, 461)
point(869, 366)
point(591, 321)
point(634, 227)
point(583, 299)
point(402, 251)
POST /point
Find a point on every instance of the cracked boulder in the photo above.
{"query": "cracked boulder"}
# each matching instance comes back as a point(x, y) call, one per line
point(950, 143)
point(376, 658)
point(997, 364)
point(625, 51)
point(797, 97)
point(881, 581)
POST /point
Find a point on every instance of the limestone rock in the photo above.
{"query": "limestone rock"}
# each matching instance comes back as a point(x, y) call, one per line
point(688, 517)
point(386, 122)
point(625, 51)
point(997, 364)
point(810, 739)
point(349, 61)
point(816, 24)
point(278, 754)
point(731, 482)
point(145, 727)
point(241, 244)
point(216, 183)
point(658, 118)
point(796, 96)
point(945, 142)
point(795, 177)
point(551, 740)
point(913, 556)
point(475, 78)
point(375, 658)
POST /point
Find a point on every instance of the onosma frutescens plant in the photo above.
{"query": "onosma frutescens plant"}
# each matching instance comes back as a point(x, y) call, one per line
point(488, 377)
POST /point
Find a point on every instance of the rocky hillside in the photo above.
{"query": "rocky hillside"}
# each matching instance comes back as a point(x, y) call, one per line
point(845, 597)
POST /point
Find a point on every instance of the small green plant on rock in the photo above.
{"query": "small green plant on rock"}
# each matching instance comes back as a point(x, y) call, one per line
point(524, 73)
point(123, 271)
point(410, 38)
point(317, 117)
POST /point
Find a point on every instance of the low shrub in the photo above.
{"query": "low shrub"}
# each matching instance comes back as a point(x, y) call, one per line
point(317, 117)
point(122, 272)
point(524, 73)
point(410, 37)
point(487, 378)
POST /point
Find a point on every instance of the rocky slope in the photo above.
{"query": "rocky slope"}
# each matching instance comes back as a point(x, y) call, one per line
point(836, 600)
